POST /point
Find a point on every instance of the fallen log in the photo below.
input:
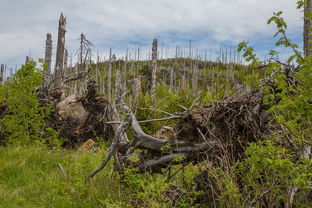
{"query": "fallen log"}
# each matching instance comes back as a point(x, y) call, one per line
point(216, 131)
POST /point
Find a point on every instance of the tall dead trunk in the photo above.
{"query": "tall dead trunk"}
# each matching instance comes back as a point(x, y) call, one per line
point(27, 60)
point(2, 74)
point(81, 52)
point(307, 33)
point(194, 78)
point(117, 87)
point(60, 51)
point(48, 59)
point(136, 89)
point(124, 78)
point(109, 76)
point(97, 72)
point(171, 79)
point(65, 60)
point(154, 71)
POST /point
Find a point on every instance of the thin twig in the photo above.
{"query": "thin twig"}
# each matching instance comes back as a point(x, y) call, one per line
point(147, 121)
point(256, 199)
point(62, 170)
point(121, 129)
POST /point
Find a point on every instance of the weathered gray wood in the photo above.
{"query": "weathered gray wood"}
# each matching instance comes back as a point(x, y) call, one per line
point(154, 71)
point(109, 76)
point(65, 60)
point(124, 78)
point(171, 79)
point(136, 89)
point(194, 77)
point(2, 74)
point(48, 59)
point(97, 72)
point(117, 93)
point(60, 51)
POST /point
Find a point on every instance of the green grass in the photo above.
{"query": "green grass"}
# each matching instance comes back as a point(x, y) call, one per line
point(32, 177)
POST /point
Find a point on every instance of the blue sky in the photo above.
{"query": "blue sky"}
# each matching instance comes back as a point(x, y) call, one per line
point(122, 24)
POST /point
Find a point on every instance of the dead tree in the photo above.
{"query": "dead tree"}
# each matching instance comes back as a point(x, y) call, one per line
point(60, 51)
point(124, 78)
point(65, 60)
point(97, 72)
point(307, 33)
point(2, 74)
point(48, 59)
point(136, 89)
point(194, 77)
point(117, 94)
point(154, 71)
point(84, 51)
point(171, 79)
point(27, 60)
point(109, 76)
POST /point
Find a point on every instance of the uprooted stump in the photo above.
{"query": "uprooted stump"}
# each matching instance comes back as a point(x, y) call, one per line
point(79, 118)
point(217, 132)
point(230, 124)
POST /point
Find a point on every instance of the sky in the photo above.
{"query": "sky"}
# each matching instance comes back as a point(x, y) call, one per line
point(129, 24)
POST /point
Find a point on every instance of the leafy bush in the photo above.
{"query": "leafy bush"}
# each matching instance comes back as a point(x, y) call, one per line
point(25, 122)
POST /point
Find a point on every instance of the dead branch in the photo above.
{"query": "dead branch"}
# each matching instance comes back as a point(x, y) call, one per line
point(158, 161)
point(121, 129)
point(255, 200)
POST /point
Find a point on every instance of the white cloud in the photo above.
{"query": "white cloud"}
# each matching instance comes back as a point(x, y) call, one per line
point(119, 23)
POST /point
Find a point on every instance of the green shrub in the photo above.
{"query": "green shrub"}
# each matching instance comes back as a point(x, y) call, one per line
point(25, 122)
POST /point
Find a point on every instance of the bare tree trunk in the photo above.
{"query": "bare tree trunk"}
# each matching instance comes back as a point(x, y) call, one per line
point(136, 89)
point(65, 60)
point(124, 79)
point(48, 59)
point(26, 60)
point(171, 79)
point(81, 53)
point(60, 51)
point(307, 33)
point(97, 73)
point(154, 71)
point(194, 78)
point(117, 87)
point(109, 76)
point(2, 74)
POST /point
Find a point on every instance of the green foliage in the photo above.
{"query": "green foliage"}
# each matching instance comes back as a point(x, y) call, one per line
point(249, 53)
point(281, 27)
point(153, 190)
point(270, 166)
point(25, 122)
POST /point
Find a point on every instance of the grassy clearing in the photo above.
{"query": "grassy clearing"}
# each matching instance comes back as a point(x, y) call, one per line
point(32, 177)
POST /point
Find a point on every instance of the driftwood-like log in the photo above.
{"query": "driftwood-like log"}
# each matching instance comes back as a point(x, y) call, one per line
point(59, 62)
point(151, 143)
point(154, 71)
point(120, 131)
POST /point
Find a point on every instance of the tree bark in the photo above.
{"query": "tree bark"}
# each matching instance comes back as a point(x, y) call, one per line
point(2, 74)
point(154, 71)
point(60, 51)
point(117, 87)
point(109, 76)
point(48, 59)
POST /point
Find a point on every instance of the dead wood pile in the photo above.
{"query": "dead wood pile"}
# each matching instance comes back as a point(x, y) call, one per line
point(217, 132)
point(79, 118)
